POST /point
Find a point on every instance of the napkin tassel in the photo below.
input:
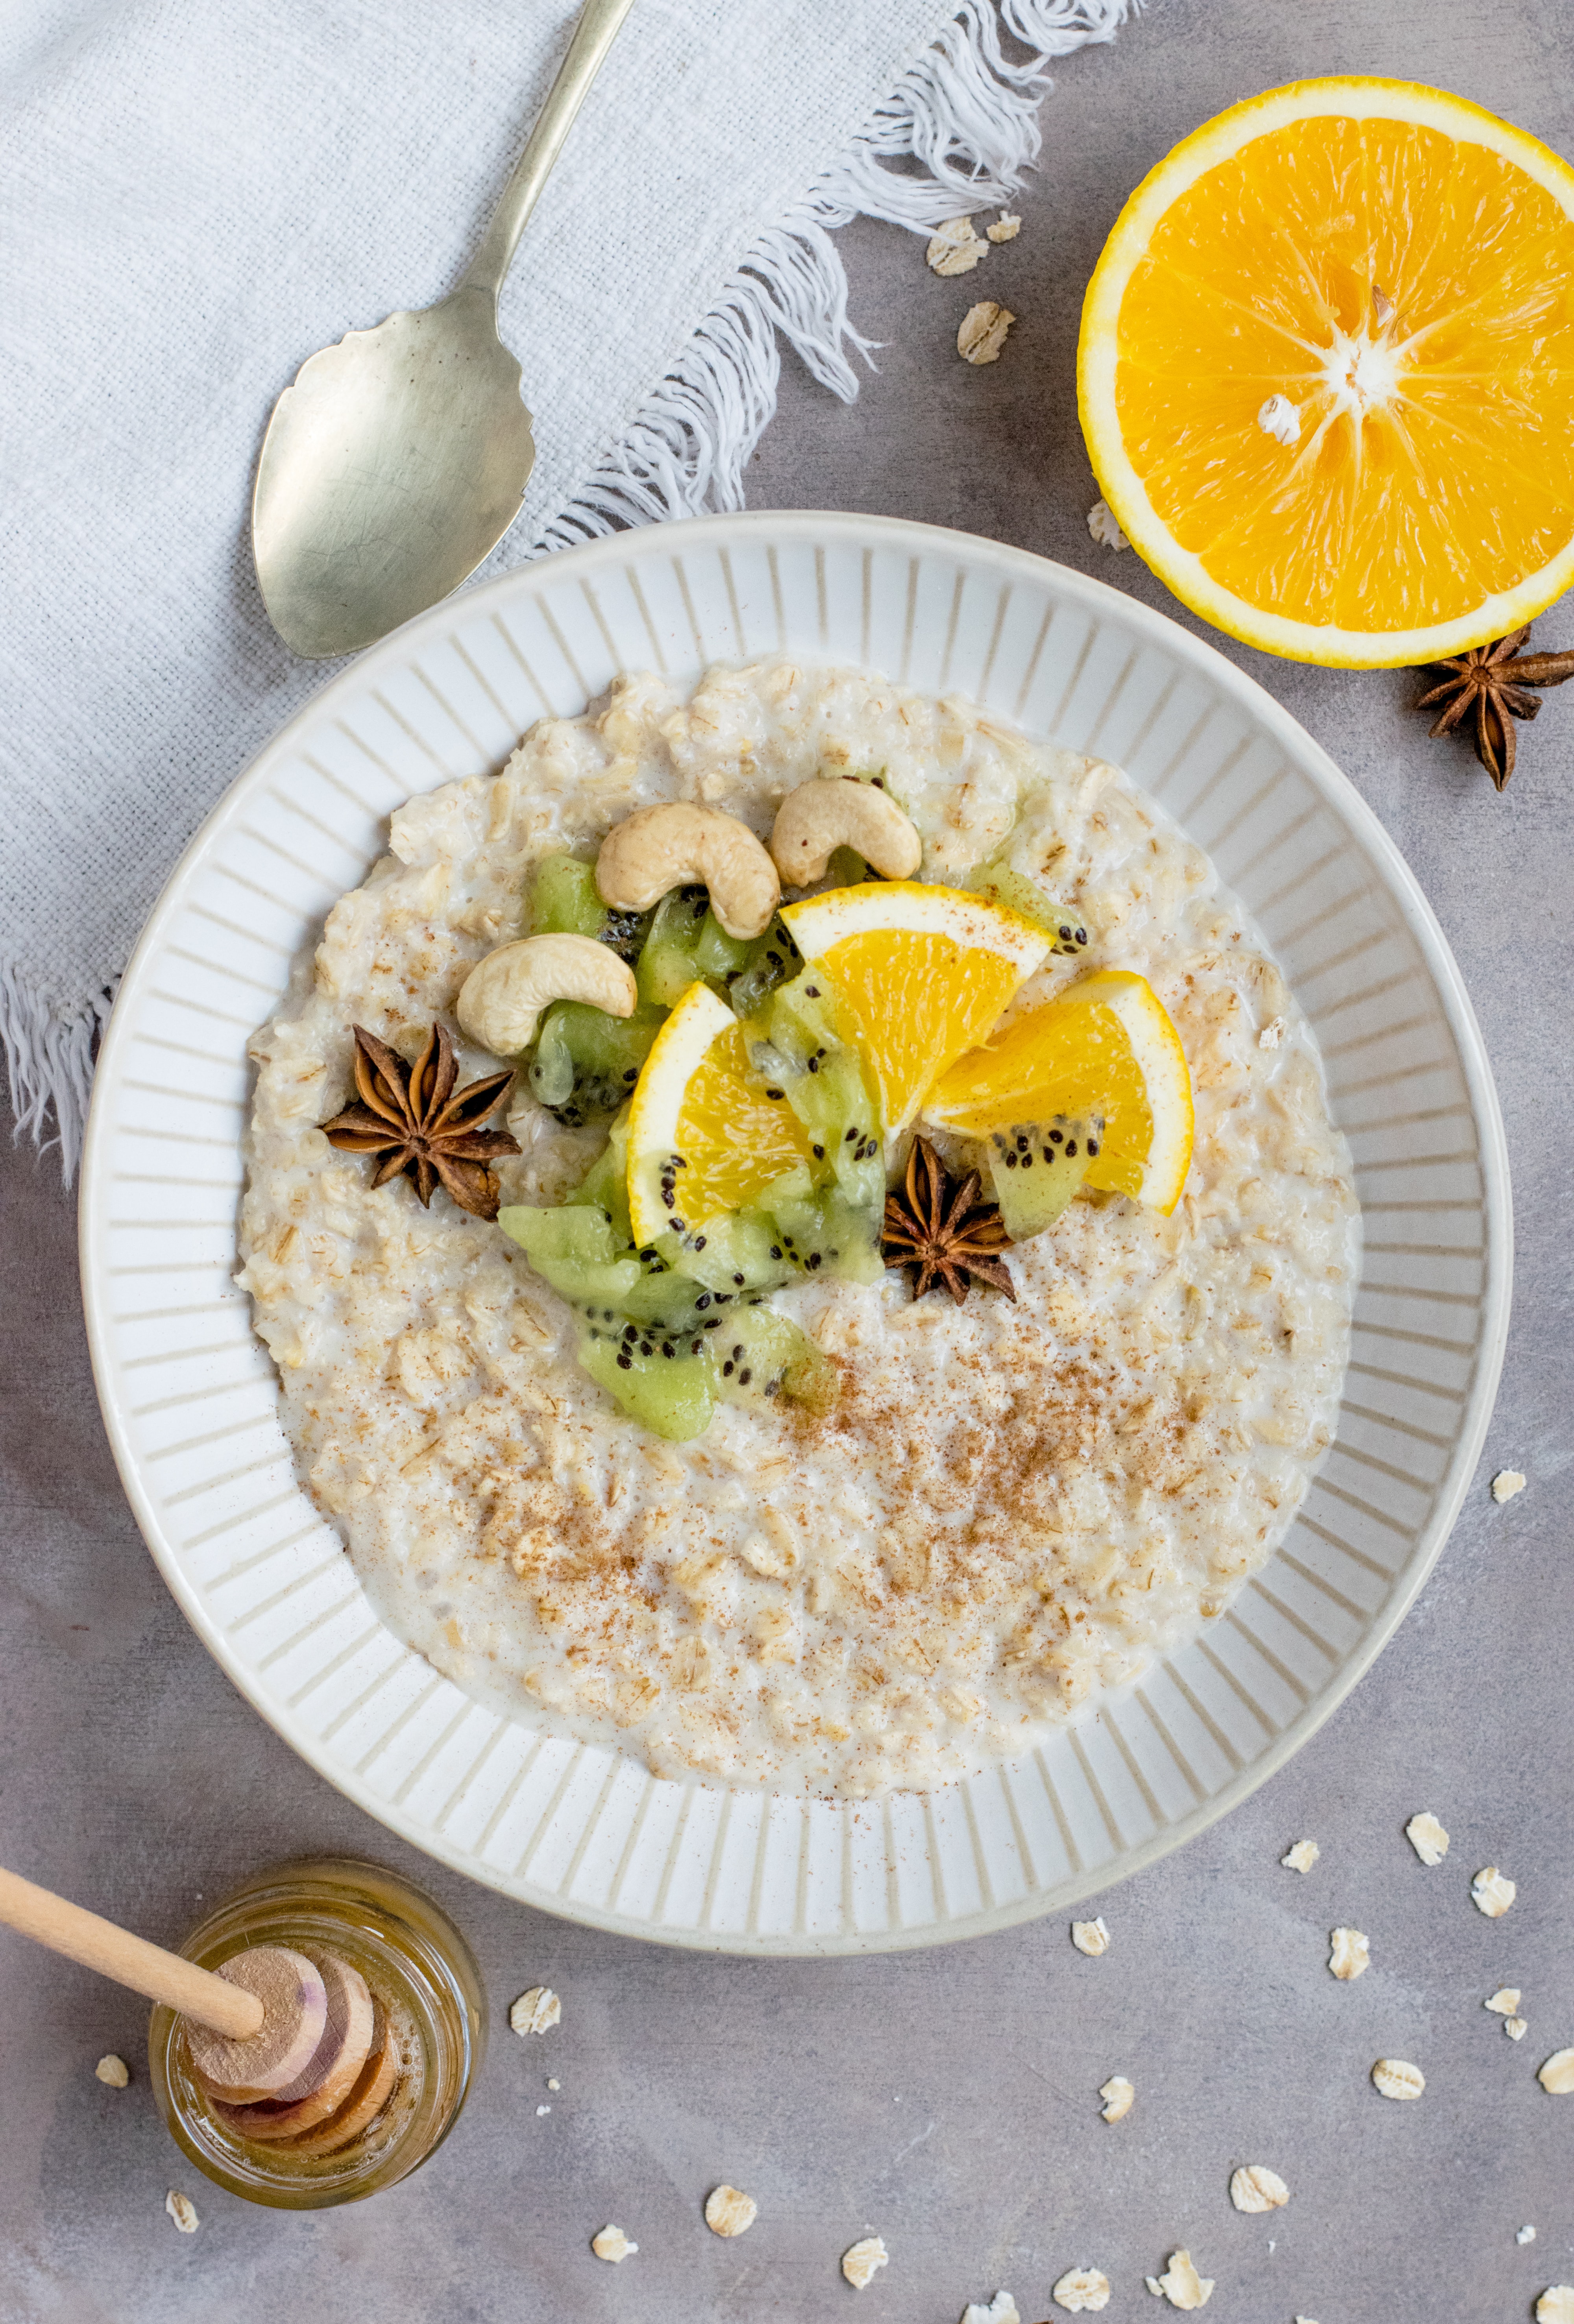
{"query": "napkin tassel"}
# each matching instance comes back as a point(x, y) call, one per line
point(968, 113)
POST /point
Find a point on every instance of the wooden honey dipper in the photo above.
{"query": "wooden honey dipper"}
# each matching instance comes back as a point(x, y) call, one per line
point(290, 2045)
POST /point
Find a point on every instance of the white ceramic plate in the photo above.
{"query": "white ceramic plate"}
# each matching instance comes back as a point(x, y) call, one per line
point(189, 1394)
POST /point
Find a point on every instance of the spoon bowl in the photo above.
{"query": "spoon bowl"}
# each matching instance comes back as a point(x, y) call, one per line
point(390, 469)
point(398, 459)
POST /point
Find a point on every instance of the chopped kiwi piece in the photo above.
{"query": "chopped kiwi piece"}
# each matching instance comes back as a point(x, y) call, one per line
point(737, 1252)
point(673, 1396)
point(565, 901)
point(817, 1230)
point(1038, 1168)
point(668, 965)
point(576, 1249)
point(1019, 893)
point(586, 1062)
point(606, 1182)
point(760, 1356)
point(772, 959)
point(827, 1081)
point(718, 956)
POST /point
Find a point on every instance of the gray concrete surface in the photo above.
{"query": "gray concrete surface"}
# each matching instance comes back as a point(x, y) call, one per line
point(945, 2100)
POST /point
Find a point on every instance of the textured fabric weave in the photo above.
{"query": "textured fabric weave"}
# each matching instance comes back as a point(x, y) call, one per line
point(195, 196)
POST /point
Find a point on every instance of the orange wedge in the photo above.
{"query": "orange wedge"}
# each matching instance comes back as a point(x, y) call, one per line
point(919, 974)
point(701, 1128)
point(1105, 1047)
point(1326, 373)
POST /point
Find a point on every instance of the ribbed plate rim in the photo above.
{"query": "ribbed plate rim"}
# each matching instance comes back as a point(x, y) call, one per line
point(1148, 626)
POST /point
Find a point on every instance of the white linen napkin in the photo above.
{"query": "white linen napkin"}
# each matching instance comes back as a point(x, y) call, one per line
point(194, 197)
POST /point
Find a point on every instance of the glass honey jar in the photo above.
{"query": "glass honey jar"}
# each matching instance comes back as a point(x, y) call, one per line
point(432, 2021)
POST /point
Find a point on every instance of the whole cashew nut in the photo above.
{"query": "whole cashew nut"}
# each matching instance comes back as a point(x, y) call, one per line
point(501, 1001)
point(838, 811)
point(657, 848)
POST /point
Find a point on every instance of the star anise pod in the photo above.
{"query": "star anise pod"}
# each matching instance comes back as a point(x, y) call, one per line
point(938, 1225)
point(415, 1118)
point(1498, 683)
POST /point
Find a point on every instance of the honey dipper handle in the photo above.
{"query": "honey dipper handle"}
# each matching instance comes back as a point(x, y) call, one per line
point(131, 1961)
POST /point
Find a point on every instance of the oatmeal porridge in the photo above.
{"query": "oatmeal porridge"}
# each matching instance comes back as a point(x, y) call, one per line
point(991, 1509)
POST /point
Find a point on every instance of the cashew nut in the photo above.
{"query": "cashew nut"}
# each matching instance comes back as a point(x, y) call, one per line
point(661, 847)
point(838, 811)
point(501, 1001)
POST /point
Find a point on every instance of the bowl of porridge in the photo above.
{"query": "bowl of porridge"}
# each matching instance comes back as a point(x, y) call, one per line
point(610, 1390)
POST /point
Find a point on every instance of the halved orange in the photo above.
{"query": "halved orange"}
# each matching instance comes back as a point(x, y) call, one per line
point(1326, 373)
point(1105, 1047)
point(920, 973)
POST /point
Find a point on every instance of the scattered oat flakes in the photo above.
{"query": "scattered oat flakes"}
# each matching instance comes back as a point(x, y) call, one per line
point(1526, 2235)
point(1301, 1856)
point(1272, 1034)
point(1104, 528)
point(1000, 2310)
point(1306, 2320)
point(983, 331)
point(859, 2264)
point(1506, 1483)
point(1427, 1837)
point(1090, 1937)
point(729, 2211)
point(1395, 2079)
point(1556, 2305)
point(613, 2245)
point(537, 2010)
point(112, 2070)
point(553, 2083)
point(1491, 1892)
point(540, 2110)
point(1006, 227)
point(1181, 2284)
point(182, 2210)
point(1119, 2097)
point(1254, 2188)
point(955, 248)
point(1557, 2076)
point(1506, 2001)
point(1349, 1954)
point(1085, 2289)
point(1516, 2028)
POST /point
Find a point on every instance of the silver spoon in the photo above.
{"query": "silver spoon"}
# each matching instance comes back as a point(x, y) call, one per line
point(398, 459)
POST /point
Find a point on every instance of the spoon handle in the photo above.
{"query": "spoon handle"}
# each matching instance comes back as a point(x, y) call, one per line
point(592, 37)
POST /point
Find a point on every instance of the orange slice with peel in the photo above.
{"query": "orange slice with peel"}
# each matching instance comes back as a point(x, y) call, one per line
point(919, 974)
point(1105, 1047)
point(704, 1135)
point(1326, 373)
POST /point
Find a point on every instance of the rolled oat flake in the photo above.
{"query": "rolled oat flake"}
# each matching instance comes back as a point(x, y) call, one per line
point(1492, 1893)
point(1427, 1837)
point(1557, 2076)
point(1254, 2188)
point(1084, 2292)
point(1181, 2284)
point(860, 2263)
point(729, 2211)
point(1000, 2310)
point(983, 332)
